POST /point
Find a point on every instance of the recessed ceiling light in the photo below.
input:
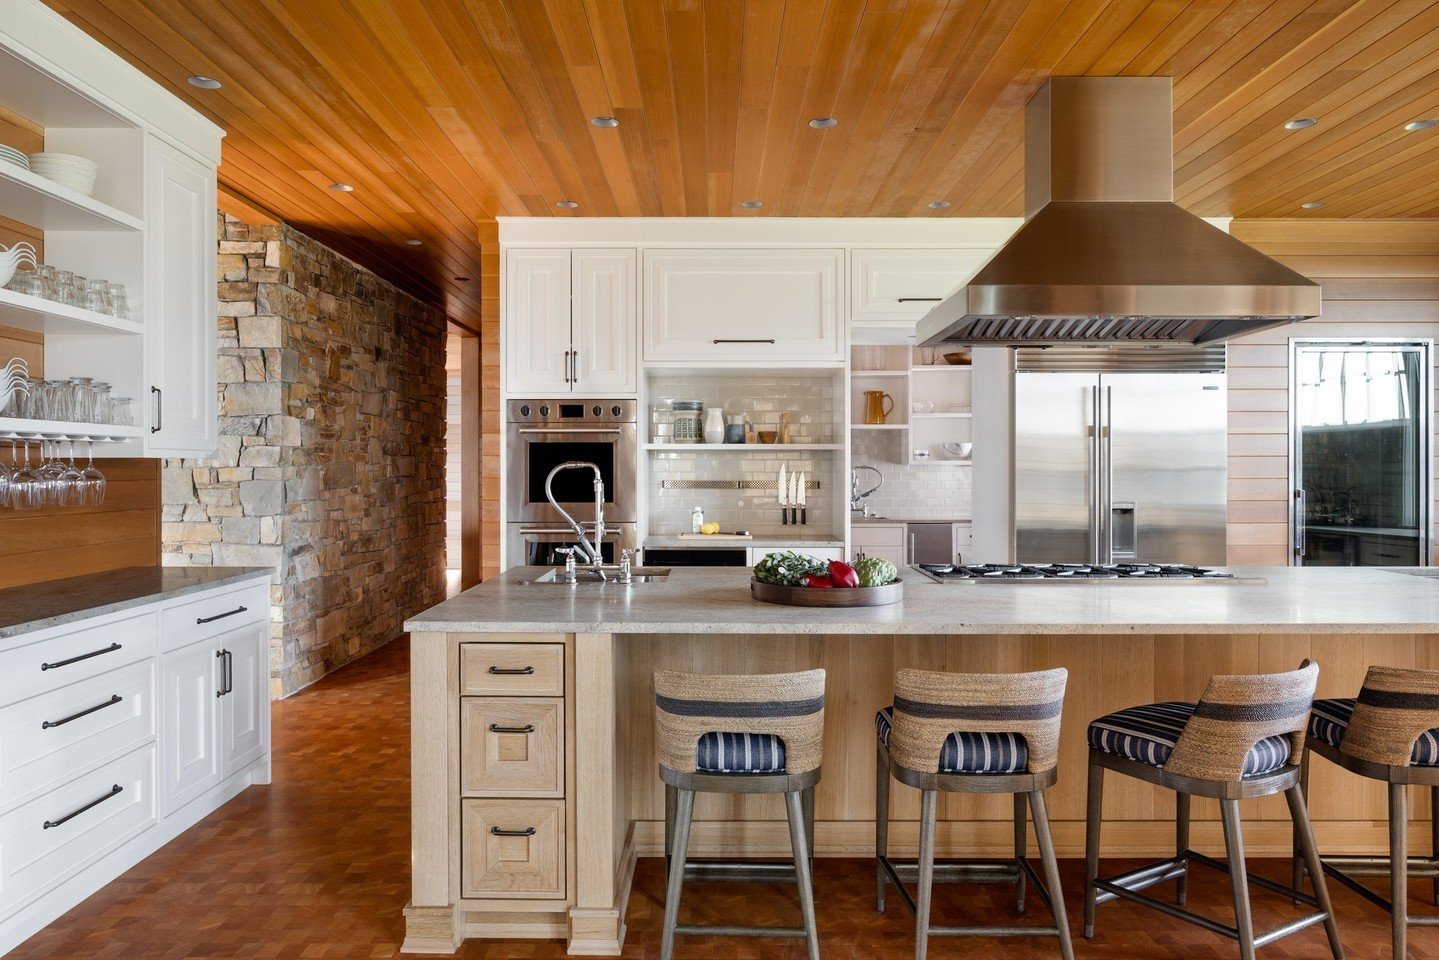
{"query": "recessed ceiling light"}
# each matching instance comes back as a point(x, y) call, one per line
point(605, 121)
point(203, 82)
point(1300, 124)
point(413, 242)
point(938, 204)
point(823, 123)
point(342, 188)
point(1413, 125)
point(463, 279)
point(1313, 204)
point(751, 204)
point(566, 204)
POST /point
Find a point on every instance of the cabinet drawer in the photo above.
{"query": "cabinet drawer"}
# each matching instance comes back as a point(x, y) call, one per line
point(80, 654)
point(215, 613)
point(513, 848)
point(878, 535)
point(512, 669)
point(49, 839)
point(756, 554)
point(512, 746)
point(49, 739)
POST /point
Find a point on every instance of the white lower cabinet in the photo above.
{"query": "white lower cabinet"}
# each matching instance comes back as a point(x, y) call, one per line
point(119, 732)
point(756, 554)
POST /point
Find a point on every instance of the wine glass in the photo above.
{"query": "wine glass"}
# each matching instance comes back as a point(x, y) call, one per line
point(93, 492)
point(24, 482)
point(72, 480)
point(51, 469)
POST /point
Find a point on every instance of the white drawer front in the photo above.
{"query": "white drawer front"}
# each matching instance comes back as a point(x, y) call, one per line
point(49, 739)
point(87, 819)
point(214, 614)
point(756, 554)
point(80, 654)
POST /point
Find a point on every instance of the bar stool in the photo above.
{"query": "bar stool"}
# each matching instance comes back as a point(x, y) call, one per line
point(1390, 734)
point(739, 734)
point(971, 733)
point(1237, 742)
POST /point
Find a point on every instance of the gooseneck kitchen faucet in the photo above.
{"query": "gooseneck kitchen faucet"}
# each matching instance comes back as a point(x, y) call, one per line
point(591, 551)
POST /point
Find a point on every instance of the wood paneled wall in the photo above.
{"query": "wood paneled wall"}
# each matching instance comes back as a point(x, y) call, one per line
point(491, 421)
point(1381, 279)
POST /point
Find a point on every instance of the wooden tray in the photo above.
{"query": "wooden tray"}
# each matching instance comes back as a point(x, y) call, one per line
point(831, 597)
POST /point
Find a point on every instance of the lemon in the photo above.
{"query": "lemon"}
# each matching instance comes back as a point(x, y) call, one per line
point(710, 528)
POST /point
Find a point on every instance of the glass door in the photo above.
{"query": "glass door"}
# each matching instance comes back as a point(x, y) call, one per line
point(1360, 452)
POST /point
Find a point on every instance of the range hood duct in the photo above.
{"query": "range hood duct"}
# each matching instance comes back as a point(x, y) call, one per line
point(1105, 255)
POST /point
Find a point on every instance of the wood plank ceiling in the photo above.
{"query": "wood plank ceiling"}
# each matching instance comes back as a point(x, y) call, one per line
point(444, 113)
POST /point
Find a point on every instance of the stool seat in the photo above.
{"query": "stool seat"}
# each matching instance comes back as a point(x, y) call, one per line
point(740, 753)
point(1330, 721)
point(1147, 735)
point(970, 752)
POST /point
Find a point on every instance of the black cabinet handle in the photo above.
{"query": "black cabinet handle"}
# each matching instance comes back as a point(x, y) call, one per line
point(227, 672)
point(220, 616)
point(920, 299)
point(527, 728)
point(511, 671)
point(116, 698)
point(757, 340)
point(501, 832)
point(79, 810)
point(159, 409)
point(84, 656)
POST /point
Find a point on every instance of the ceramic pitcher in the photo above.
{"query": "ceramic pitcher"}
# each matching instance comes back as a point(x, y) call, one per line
point(877, 405)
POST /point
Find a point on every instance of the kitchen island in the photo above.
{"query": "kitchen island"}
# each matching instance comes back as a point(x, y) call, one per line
point(534, 780)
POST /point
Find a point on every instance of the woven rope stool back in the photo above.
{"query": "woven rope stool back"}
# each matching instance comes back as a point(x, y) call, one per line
point(1394, 708)
point(929, 706)
point(1235, 713)
point(785, 705)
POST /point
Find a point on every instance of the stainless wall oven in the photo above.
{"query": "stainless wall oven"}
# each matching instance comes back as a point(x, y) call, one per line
point(540, 435)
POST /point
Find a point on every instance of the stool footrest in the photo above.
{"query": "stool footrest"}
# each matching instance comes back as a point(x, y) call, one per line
point(739, 871)
point(1420, 868)
point(1142, 878)
point(725, 930)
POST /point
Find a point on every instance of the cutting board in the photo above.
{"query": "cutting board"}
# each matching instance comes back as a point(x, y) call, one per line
point(716, 536)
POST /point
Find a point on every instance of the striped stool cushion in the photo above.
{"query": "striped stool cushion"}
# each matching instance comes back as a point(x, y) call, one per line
point(970, 752)
point(1330, 720)
point(740, 753)
point(1147, 734)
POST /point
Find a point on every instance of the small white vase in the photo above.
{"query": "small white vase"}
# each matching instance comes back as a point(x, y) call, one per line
point(714, 425)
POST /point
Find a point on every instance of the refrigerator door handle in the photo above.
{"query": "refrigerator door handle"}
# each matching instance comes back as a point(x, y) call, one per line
point(1301, 510)
point(1095, 494)
point(1106, 478)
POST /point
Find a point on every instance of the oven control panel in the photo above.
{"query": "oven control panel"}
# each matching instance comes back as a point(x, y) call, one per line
point(572, 411)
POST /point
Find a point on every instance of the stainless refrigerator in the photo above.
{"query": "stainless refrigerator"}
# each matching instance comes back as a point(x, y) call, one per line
point(1118, 467)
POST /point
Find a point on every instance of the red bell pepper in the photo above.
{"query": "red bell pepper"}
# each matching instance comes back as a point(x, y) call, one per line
point(842, 574)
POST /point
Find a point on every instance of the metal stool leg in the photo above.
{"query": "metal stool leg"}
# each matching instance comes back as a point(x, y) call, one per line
point(1299, 813)
point(1434, 834)
point(1299, 864)
point(1399, 867)
point(1181, 845)
point(1021, 850)
point(1093, 815)
point(928, 806)
point(799, 844)
point(881, 827)
point(806, 800)
point(1051, 872)
point(671, 799)
point(1238, 877)
point(684, 811)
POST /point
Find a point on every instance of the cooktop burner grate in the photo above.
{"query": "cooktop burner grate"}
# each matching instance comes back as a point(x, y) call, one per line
point(990, 572)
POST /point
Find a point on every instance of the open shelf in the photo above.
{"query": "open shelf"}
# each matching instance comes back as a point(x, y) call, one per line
point(948, 367)
point(61, 430)
point(31, 198)
point(38, 315)
point(738, 447)
point(878, 374)
point(941, 416)
point(879, 426)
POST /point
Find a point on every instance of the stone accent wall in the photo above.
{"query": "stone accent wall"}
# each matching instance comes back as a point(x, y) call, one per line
point(331, 460)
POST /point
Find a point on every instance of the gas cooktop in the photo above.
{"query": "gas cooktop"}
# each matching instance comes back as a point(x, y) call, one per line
point(1072, 573)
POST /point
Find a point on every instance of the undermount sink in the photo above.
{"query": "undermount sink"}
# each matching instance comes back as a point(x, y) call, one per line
point(586, 575)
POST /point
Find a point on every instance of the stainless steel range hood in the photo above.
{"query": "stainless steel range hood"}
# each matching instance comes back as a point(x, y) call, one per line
point(1105, 255)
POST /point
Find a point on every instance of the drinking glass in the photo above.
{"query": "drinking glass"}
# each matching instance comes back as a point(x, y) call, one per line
point(82, 399)
point(97, 296)
point(78, 287)
point(72, 480)
point(51, 469)
point(122, 413)
point(49, 282)
point(99, 402)
point(92, 494)
point(64, 286)
point(24, 483)
point(119, 303)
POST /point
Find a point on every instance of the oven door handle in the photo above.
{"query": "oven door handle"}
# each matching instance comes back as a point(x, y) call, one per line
point(565, 532)
point(530, 431)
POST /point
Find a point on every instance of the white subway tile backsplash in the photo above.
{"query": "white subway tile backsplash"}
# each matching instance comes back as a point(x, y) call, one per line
point(934, 491)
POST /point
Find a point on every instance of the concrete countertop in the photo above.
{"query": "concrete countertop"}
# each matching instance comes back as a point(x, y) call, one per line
point(717, 600)
point(40, 606)
point(764, 541)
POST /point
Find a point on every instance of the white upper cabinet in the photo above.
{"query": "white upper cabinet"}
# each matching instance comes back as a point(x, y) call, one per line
point(893, 286)
point(603, 324)
point(570, 324)
point(762, 306)
point(180, 283)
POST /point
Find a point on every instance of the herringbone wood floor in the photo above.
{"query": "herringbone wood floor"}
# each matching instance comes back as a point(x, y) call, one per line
point(316, 867)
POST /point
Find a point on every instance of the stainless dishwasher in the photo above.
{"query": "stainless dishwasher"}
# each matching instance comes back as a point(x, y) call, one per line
point(930, 542)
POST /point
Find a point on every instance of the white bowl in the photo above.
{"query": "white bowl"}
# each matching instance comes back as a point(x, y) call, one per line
point(40, 161)
point(82, 187)
point(46, 170)
point(70, 158)
point(960, 451)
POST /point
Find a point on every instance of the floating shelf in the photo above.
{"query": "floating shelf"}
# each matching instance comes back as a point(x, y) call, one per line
point(38, 315)
point(739, 447)
point(879, 426)
point(14, 428)
point(940, 462)
point(930, 367)
point(886, 374)
point(941, 416)
point(33, 199)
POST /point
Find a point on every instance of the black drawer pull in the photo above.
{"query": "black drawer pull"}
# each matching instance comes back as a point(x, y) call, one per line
point(511, 671)
point(754, 340)
point(220, 616)
point(116, 698)
point(527, 728)
point(75, 813)
point(501, 832)
point(920, 299)
point(84, 656)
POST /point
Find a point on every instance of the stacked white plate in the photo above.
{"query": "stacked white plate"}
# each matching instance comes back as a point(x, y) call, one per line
point(66, 169)
point(11, 155)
